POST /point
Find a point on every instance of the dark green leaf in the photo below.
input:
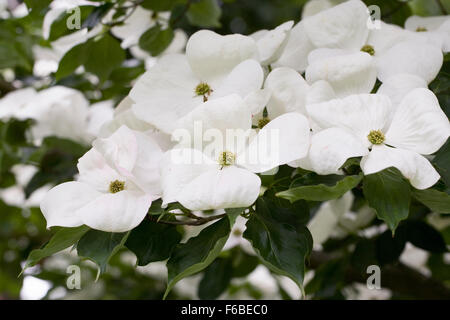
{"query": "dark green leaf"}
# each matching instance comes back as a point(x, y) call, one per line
point(319, 188)
point(155, 40)
point(205, 14)
point(158, 5)
point(280, 246)
point(100, 246)
point(389, 247)
point(436, 200)
point(152, 241)
point(73, 58)
point(328, 280)
point(439, 267)
point(389, 194)
point(216, 279)
point(105, 54)
point(60, 27)
point(243, 263)
point(442, 162)
point(423, 236)
point(57, 159)
point(96, 15)
point(62, 239)
point(364, 255)
point(200, 251)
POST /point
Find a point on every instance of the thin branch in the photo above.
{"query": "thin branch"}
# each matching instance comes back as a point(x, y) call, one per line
point(197, 222)
point(133, 8)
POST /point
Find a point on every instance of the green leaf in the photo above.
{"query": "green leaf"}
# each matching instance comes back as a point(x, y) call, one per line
point(389, 247)
point(100, 246)
point(15, 45)
point(200, 251)
point(205, 14)
point(36, 6)
point(105, 54)
point(423, 236)
point(57, 159)
point(436, 200)
point(319, 188)
point(389, 194)
point(62, 239)
point(280, 246)
point(442, 162)
point(425, 7)
point(216, 279)
point(96, 15)
point(155, 40)
point(439, 267)
point(243, 263)
point(73, 58)
point(151, 241)
point(60, 28)
point(100, 56)
point(158, 5)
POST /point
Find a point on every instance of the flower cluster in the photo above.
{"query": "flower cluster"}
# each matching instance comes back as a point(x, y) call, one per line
point(305, 95)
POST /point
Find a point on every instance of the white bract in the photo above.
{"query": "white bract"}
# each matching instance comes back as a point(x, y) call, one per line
point(214, 66)
point(213, 112)
point(118, 180)
point(437, 28)
point(225, 178)
point(396, 136)
point(57, 111)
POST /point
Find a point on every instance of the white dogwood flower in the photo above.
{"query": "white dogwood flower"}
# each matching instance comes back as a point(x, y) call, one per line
point(61, 111)
point(397, 86)
point(340, 27)
point(118, 180)
point(214, 66)
point(290, 92)
point(348, 72)
point(396, 137)
point(414, 57)
point(271, 43)
point(225, 178)
point(437, 27)
point(337, 44)
point(11, 105)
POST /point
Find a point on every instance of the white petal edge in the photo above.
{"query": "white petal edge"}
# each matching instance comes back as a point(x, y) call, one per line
point(412, 165)
point(283, 140)
point(118, 212)
point(230, 187)
point(61, 203)
point(330, 149)
point(419, 124)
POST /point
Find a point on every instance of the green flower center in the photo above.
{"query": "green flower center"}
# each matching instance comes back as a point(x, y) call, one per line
point(376, 137)
point(237, 232)
point(421, 29)
point(262, 122)
point(226, 158)
point(369, 49)
point(116, 186)
point(203, 89)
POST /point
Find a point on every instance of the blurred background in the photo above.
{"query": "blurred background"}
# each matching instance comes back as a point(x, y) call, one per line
point(30, 59)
